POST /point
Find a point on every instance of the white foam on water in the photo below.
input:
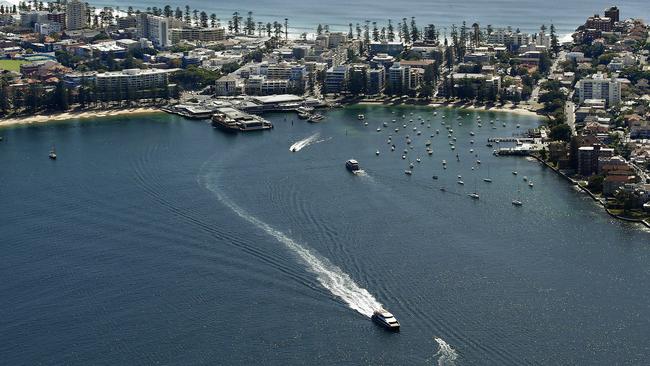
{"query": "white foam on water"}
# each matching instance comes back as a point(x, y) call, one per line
point(446, 354)
point(299, 145)
point(329, 275)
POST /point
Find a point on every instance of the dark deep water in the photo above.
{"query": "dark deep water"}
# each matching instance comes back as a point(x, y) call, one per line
point(156, 240)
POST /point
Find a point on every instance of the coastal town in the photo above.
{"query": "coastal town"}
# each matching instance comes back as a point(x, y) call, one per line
point(72, 59)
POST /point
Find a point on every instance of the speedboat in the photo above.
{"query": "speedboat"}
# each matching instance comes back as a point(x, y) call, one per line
point(460, 182)
point(352, 165)
point(514, 172)
point(386, 320)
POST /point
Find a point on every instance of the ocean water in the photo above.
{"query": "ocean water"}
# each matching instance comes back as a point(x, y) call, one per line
point(158, 240)
point(305, 15)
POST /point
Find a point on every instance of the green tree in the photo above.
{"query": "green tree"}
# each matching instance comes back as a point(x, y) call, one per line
point(61, 101)
point(561, 132)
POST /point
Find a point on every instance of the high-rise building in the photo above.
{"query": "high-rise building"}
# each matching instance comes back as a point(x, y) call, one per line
point(598, 86)
point(155, 29)
point(76, 16)
point(376, 79)
point(599, 23)
point(399, 78)
point(614, 14)
point(336, 79)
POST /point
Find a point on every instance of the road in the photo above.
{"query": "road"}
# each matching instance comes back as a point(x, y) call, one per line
point(569, 112)
point(534, 95)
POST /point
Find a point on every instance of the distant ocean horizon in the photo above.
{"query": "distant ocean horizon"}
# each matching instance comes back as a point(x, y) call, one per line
point(305, 15)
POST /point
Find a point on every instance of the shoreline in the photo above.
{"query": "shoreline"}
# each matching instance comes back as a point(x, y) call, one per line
point(74, 115)
point(600, 203)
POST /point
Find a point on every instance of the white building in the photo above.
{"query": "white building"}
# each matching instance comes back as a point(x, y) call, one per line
point(132, 82)
point(47, 28)
point(597, 86)
point(399, 78)
point(76, 15)
point(154, 28)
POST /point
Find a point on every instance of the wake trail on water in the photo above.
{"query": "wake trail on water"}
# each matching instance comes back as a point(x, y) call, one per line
point(299, 145)
point(446, 354)
point(329, 275)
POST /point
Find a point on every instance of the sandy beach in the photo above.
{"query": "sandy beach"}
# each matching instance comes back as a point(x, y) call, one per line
point(516, 110)
point(507, 108)
point(75, 115)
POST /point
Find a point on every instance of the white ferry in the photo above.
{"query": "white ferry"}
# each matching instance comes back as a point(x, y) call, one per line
point(386, 320)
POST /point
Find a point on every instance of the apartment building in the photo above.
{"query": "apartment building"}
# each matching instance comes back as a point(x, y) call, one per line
point(154, 28)
point(197, 34)
point(138, 83)
point(597, 86)
point(76, 15)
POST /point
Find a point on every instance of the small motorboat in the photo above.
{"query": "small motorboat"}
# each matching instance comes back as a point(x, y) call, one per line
point(460, 182)
point(361, 117)
point(474, 195)
point(408, 172)
point(377, 152)
point(52, 154)
point(435, 177)
point(514, 172)
point(517, 202)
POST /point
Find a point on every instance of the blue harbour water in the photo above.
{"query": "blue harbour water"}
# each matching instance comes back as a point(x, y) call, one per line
point(304, 15)
point(157, 240)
